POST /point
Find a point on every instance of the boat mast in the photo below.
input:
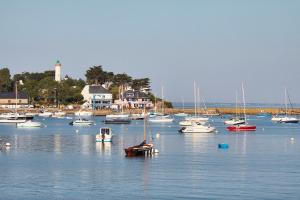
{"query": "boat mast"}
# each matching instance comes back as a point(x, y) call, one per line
point(195, 99)
point(236, 111)
point(16, 96)
point(244, 103)
point(162, 100)
point(285, 101)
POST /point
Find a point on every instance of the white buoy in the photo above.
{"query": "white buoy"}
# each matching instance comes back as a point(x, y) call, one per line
point(156, 151)
point(292, 139)
point(7, 144)
point(157, 135)
point(77, 131)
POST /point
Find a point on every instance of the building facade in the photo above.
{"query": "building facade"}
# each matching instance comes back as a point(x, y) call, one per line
point(97, 96)
point(137, 99)
point(9, 100)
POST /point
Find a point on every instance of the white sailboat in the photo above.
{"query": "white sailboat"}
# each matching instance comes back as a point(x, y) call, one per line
point(287, 118)
point(29, 124)
point(188, 121)
point(237, 119)
point(163, 118)
point(182, 114)
point(15, 117)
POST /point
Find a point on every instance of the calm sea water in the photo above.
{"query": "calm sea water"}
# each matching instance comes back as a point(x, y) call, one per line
point(58, 162)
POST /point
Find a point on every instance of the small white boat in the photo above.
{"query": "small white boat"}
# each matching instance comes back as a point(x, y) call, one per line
point(45, 114)
point(277, 118)
point(161, 119)
point(235, 121)
point(84, 113)
point(197, 119)
point(12, 120)
point(29, 124)
point(117, 119)
point(59, 114)
point(105, 135)
point(197, 128)
point(289, 120)
point(189, 123)
point(181, 115)
point(81, 122)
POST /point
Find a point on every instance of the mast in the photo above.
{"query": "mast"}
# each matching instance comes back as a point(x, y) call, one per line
point(145, 132)
point(285, 101)
point(195, 99)
point(244, 103)
point(162, 99)
point(236, 111)
point(16, 96)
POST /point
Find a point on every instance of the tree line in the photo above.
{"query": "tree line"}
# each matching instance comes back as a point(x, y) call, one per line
point(44, 90)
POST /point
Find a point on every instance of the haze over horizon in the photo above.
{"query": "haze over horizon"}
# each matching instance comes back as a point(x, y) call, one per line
point(219, 44)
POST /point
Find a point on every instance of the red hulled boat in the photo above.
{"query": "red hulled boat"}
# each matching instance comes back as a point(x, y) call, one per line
point(241, 127)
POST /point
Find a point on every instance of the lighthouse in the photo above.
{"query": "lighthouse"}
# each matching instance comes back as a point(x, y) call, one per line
point(57, 71)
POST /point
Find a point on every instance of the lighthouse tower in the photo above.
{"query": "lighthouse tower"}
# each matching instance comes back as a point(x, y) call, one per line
point(58, 71)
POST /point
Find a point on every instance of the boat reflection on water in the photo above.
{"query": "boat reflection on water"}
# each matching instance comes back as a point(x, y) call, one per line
point(103, 148)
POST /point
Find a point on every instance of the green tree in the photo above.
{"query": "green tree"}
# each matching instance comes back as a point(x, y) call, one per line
point(5, 81)
point(138, 84)
point(122, 79)
point(96, 75)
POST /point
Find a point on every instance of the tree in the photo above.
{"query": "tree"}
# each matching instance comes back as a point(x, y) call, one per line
point(122, 79)
point(5, 81)
point(138, 84)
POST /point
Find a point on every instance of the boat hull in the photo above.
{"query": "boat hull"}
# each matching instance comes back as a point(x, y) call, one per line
point(241, 128)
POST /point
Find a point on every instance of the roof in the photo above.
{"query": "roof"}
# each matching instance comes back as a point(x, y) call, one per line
point(137, 94)
point(97, 89)
point(12, 95)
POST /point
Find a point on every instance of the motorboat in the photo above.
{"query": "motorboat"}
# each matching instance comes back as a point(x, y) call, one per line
point(289, 120)
point(235, 121)
point(189, 123)
point(105, 135)
point(197, 127)
point(29, 124)
point(81, 122)
point(117, 119)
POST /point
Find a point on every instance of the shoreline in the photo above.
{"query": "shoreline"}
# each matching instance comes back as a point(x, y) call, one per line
point(209, 111)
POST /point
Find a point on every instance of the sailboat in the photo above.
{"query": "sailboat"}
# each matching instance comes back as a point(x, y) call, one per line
point(286, 118)
point(245, 126)
point(189, 120)
point(143, 149)
point(237, 119)
point(182, 114)
point(120, 118)
point(14, 117)
point(161, 118)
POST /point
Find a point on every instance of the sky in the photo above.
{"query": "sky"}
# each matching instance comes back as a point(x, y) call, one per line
point(217, 43)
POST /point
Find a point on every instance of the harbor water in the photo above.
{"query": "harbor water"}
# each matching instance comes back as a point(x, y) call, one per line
point(60, 161)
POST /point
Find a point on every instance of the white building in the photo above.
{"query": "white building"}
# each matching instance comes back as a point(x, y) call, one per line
point(58, 71)
point(97, 96)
